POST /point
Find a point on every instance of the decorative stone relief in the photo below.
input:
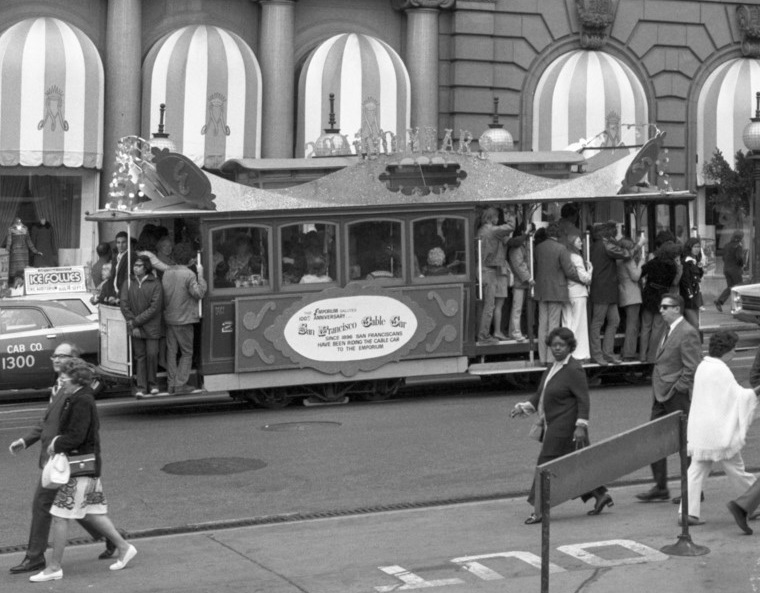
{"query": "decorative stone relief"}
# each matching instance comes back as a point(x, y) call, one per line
point(748, 18)
point(406, 4)
point(595, 18)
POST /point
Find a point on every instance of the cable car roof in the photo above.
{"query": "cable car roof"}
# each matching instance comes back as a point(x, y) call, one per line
point(417, 179)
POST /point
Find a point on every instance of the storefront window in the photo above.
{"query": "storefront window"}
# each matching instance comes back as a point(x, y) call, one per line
point(439, 247)
point(240, 257)
point(374, 250)
point(56, 200)
point(308, 254)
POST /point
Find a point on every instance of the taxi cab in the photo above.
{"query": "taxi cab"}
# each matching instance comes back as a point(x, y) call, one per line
point(29, 333)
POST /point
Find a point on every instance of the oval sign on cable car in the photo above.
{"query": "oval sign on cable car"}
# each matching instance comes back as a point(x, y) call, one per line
point(350, 328)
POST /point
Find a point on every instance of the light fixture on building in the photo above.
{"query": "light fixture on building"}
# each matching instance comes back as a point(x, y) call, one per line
point(332, 142)
point(496, 138)
point(161, 139)
point(751, 138)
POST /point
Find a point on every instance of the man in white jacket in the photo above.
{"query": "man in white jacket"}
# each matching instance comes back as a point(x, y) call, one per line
point(721, 412)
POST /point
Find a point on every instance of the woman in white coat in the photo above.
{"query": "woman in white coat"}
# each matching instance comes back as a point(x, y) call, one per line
point(574, 313)
point(720, 414)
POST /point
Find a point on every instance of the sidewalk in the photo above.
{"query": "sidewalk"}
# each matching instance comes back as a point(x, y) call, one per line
point(474, 547)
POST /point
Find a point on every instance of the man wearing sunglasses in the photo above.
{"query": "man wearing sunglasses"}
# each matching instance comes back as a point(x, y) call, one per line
point(678, 355)
point(44, 431)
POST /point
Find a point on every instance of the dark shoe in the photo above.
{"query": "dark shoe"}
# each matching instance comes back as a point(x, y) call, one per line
point(718, 306)
point(740, 516)
point(614, 360)
point(185, 390)
point(533, 519)
point(28, 566)
point(692, 521)
point(654, 494)
point(601, 362)
point(111, 547)
point(631, 359)
point(604, 501)
point(489, 341)
point(677, 499)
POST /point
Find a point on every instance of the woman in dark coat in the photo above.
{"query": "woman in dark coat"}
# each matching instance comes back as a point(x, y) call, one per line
point(562, 402)
point(82, 497)
point(689, 285)
point(658, 275)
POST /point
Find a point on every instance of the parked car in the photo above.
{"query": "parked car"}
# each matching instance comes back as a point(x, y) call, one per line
point(745, 303)
point(78, 302)
point(30, 330)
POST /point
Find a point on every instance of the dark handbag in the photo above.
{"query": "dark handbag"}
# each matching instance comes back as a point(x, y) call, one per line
point(82, 465)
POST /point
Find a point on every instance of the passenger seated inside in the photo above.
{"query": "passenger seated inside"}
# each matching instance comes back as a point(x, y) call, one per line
point(317, 272)
point(243, 267)
point(384, 265)
point(436, 263)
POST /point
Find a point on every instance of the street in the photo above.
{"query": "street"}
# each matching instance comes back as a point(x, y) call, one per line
point(199, 468)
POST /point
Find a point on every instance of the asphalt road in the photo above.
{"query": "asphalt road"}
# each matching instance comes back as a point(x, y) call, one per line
point(175, 466)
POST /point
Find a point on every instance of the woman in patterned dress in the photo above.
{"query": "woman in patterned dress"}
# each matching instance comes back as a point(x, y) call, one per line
point(82, 497)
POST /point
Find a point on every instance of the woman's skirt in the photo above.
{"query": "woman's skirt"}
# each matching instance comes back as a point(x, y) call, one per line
point(81, 496)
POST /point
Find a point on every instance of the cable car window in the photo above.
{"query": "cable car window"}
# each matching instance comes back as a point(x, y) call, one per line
point(374, 250)
point(439, 246)
point(308, 254)
point(240, 257)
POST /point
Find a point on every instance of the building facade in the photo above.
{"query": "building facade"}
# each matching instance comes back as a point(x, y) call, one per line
point(264, 78)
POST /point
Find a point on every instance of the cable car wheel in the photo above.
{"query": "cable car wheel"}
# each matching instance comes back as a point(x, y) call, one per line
point(272, 398)
point(376, 391)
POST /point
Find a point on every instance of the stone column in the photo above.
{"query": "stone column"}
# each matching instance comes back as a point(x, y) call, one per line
point(122, 81)
point(422, 56)
point(277, 60)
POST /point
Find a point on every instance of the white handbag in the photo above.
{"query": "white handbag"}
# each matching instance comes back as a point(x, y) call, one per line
point(56, 472)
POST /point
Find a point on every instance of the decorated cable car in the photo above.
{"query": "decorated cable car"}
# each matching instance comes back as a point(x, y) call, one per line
point(327, 289)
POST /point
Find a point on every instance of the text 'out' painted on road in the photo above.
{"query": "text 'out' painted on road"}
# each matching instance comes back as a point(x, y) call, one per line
point(478, 566)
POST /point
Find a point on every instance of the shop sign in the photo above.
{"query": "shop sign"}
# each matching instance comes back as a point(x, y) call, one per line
point(61, 279)
point(353, 328)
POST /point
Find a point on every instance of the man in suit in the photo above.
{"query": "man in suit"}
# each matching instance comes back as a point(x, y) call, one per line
point(678, 356)
point(553, 268)
point(44, 431)
point(120, 270)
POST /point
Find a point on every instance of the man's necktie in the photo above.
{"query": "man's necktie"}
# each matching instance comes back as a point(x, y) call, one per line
point(664, 339)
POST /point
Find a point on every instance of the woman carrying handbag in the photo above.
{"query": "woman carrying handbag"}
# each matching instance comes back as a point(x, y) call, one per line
point(82, 497)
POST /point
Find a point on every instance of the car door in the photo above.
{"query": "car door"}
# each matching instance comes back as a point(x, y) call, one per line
point(27, 341)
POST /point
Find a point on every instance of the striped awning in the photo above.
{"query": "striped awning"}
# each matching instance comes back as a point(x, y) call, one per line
point(210, 81)
point(370, 83)
point(577, 94)
point(725, 105)
point(51, 96)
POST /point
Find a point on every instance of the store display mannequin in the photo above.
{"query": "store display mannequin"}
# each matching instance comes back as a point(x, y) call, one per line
point(42, 238)
point(19, 244)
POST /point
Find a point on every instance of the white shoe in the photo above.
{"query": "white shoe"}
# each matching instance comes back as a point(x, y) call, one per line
point(43, 577)
point(119, 564)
